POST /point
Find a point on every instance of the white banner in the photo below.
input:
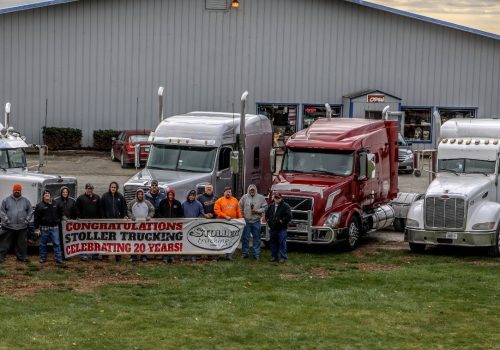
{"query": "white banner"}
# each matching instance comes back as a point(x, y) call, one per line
point(157, 236)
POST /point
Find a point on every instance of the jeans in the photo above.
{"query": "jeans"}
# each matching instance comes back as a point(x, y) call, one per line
point(8, 237)
point(278, 244)
point(254, 230)
point(51, 233)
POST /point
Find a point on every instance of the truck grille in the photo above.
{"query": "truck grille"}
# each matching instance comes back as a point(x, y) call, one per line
point(445, 213)
point(299, 204)
point(129, 192)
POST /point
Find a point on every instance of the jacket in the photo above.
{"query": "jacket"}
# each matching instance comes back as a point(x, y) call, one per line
point(207, 202)
point(113, 207)
point(68, 204)
point(193, 209)
point(16, 213)
point(227, 207)
point(48, 214)
point(280, 219)
point(133, 212)
point(169, 210)
point(257, 202)
point(88, 207)
point(155, 200)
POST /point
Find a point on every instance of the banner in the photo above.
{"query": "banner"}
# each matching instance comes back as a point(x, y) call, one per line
point(157, 236)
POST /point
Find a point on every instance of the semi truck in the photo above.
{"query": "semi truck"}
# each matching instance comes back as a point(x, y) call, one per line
point(14, 168)
point(193, 149)
point(339, 176)
point(461, 205)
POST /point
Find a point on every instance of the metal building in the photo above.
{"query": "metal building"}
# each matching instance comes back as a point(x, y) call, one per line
point(97, 64)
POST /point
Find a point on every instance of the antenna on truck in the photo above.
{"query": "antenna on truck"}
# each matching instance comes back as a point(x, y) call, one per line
point(160, 103)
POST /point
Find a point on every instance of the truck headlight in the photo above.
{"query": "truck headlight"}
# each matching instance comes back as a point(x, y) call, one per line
point(412, 223)
point(482, 226)
point(332, 220)
point(409, 156)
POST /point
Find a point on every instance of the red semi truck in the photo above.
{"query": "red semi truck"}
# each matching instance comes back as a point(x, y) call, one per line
point(339, 176)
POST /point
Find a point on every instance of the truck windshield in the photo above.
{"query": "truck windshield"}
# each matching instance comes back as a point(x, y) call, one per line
point(467, 166)
point(317, 161)
point(181, 158)
point(12, 158)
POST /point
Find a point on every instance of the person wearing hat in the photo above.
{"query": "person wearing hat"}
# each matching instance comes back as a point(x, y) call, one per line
point(140, 209)
point(192, 208)
point(227, 207)
point(88, 206)
point(169, 208)
point(16, 213)
point(48, 215)
point(154, 196)
point(278, 215)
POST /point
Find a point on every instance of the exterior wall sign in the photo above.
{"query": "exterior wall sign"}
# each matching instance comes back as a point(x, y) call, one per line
point(375, 98)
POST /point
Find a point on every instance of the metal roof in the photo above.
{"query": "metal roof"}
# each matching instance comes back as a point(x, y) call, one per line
point(7, 6)
point(424, 18)
point(20, 5)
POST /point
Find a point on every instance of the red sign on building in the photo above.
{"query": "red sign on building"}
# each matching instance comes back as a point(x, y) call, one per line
point(375, 98)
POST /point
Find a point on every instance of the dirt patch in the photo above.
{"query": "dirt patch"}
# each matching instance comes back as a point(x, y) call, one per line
point(485, 263)
point(21, 280)
point(373, 245)
point(320, 272)
point(376, 267)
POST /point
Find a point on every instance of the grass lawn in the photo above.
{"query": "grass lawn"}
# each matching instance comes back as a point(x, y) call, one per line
point(379, 297)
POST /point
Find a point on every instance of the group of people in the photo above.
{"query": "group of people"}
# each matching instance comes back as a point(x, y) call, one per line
point(16, 213)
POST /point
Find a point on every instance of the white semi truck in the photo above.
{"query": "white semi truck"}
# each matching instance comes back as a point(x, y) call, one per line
point(14, 168)
point(461, 206)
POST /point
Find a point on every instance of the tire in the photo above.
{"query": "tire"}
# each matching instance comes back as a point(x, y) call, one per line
point(353, 234)
point(113, 158)
point(494, 251)
point(399, 224)
point(122, 161)
point(417, 247)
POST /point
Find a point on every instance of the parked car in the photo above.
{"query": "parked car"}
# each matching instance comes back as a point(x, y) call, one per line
point(123, 146)
point(405, 155)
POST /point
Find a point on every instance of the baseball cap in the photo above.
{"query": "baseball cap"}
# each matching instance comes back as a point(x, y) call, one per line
point(17, 188)
point(89, 185)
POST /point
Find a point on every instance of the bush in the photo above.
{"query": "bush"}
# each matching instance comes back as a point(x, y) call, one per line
point(103, 139)
point(62, 138)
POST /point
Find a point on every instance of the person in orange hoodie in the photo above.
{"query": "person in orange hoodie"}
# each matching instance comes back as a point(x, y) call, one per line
point(227, 207)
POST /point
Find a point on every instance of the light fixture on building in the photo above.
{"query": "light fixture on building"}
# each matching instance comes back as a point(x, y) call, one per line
point(235, 4)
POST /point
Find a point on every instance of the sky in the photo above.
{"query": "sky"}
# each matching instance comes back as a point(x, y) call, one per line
point(477, 14)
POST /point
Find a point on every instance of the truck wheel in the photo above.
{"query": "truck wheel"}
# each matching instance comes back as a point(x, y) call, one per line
point(399, 224)
point(353, 233)
point(122, 161)
point(417, 247)
point(113, 158)
point(494, 251)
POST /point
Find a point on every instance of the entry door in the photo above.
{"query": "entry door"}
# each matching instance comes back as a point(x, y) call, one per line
point(223, 175)
point(373, 115)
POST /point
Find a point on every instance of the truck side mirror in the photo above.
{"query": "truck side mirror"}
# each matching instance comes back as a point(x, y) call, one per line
point(363, 166)
point(272, 160)
point(235, 162)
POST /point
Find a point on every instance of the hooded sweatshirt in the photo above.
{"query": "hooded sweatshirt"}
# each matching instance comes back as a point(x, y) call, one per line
point(67, 204)
point(193, 209)
point(170, 209)
point(140, 209)
point(227, 207)
point(113, 206)
point(16, 213)
point(259, 204)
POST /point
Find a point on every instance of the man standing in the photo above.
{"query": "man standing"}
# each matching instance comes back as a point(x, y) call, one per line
point(252, 205)
point(154, 196)
point(140, 209)
point(15, 213)
point(169, 208)
point(48, 216)
point(278, 215)
point(192, 208)
point(88, 206)
point(113, 206)
point(227, 207)
point(207, 199)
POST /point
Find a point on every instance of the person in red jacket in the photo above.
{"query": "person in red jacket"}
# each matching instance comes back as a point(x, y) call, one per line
point(227, 207)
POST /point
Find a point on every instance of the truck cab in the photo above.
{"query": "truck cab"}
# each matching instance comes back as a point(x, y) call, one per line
point(338, 176)
point(461, 205)
point(196, 148)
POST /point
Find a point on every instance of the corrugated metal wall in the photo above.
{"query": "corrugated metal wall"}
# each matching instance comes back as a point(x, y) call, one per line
point(98, 63)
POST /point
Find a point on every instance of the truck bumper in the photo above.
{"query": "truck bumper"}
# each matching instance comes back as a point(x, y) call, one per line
point(461, 238)
point(313, 235)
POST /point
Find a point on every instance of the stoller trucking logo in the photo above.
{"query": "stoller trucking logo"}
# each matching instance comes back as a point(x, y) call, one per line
point(214, 235)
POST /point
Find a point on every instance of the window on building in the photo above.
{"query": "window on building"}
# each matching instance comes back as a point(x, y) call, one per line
point(376, 115)
point(283, 120)
point(224, 158)
point(216, 4)
point(418, 124)
point(312, 112)
point(450, 113)
point(256, 157)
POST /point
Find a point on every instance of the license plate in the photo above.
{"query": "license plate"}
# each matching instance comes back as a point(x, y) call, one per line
point(302, 227)
point(451, 235)
point(146, 149)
